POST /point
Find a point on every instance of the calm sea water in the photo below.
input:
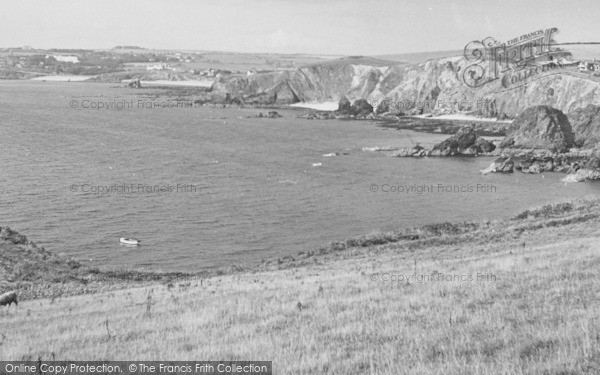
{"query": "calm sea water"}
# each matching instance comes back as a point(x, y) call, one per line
point(234, 190)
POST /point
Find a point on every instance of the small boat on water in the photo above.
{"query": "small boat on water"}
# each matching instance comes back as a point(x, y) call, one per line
point(130, 241)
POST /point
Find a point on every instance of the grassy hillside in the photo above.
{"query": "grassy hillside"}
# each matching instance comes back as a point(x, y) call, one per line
point(33, 272)
point(514, 297)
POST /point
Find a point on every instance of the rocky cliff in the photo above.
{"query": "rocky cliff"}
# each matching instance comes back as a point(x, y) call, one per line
point(435, 86)
point(438, 86)
point(586, 126)
point(349, 78)
point(540, 127)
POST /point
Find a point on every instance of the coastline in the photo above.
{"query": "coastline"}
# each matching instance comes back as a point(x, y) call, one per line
point(462, 117)
point(57, 78)
point(167, 83)
point(322, 106)
point(78, 279)
point(461, 282)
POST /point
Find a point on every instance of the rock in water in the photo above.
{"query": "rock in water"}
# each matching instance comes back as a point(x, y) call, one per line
point(484, 146)
point(538, 164)
point(582, 175)
point(361, 107)
point(459, 142)
point(500, 165)
point(540, 127)
point(344, 106)
point(465, 142)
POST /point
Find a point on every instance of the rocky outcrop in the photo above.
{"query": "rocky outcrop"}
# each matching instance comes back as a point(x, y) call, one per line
point(540, 127)
point(540, 161)
point(586, 126)
point(484, 146)
point(416, 151)
point(360, 107)
point(270, 114)
point(582, 175)
point(465, 142)
point(536, 165)
point(585, 169)
point(344, 105)
point(458, 143)
point(323, 115)
point(500, 165)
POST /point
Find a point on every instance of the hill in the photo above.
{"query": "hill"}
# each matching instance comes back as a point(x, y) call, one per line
point(515, 296)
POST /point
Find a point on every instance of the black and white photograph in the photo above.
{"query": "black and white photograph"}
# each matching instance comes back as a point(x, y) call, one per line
point(299, 187)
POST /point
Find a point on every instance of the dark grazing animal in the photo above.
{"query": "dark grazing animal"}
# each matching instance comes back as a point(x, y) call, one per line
point(8, 298)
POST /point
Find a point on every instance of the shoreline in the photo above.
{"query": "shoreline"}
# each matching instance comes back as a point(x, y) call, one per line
point(462, 117)
point(166, 83)
point(322, 106)
point(81, 279)
point(57, 78)
point(470, 286)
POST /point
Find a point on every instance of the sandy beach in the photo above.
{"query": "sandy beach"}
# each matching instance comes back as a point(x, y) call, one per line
point(63, 78)
point(463, 117)
point(325, 106)
point(174, 83)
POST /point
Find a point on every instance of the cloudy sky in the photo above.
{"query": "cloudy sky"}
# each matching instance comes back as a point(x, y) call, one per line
point(344, 27)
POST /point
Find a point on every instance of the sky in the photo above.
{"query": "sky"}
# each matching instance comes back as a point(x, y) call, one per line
point(335, 27)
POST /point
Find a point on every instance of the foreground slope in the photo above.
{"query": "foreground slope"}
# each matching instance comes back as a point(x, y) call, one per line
point(532, 305)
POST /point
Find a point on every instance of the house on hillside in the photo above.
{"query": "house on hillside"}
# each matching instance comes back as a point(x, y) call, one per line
point(159, 66)
point(566, 61)
point(589, 66)
point(71, 59)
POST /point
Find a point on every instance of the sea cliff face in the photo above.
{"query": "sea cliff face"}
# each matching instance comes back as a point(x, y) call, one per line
point(435, 86)
point(586, 126)
point(317, 83)
point(540, 127)
point(438, 87)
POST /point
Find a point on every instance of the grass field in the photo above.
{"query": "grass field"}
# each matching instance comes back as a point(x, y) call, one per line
point(514, 297)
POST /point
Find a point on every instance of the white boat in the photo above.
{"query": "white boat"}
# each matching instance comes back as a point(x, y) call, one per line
point(130, 241)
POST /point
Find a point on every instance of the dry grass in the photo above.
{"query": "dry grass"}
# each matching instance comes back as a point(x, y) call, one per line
point(535, 309)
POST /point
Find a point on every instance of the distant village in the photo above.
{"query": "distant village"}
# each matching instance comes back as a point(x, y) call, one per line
point(25, 62)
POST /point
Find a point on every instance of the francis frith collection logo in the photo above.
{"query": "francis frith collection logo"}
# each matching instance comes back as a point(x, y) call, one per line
point(514, 61)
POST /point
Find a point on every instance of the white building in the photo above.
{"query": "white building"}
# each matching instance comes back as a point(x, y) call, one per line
point(159, 66)
point(71, 59)
point(589, 66)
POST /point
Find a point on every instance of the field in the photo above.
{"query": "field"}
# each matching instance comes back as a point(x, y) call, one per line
point(510, 297)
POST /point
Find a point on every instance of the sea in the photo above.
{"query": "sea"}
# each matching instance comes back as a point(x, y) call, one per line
point(206, 187)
